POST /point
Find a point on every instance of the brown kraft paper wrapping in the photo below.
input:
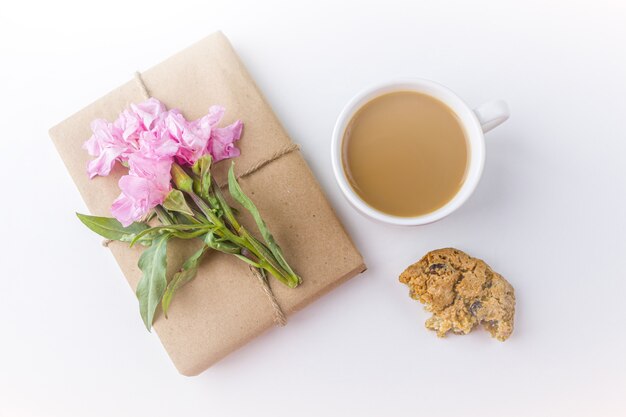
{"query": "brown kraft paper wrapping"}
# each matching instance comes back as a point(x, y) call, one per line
point(224, 307)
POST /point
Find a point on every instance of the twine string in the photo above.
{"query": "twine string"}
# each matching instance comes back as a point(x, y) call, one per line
point(260, 164)
point(279, 317)
point(142, 85)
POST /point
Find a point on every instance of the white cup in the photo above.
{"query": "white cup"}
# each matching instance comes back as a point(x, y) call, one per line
point(475, 123)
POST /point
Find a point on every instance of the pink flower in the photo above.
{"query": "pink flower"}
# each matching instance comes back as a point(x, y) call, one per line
point(192, 142)
point(146, 186)
point(206, 123)
point(202, 136)
point(117, 140)
point(131, 127)
point(156, 170)
point(148, 138)
point(157, 144)
point(221, 143)
point(148, 111)
point(106, 144)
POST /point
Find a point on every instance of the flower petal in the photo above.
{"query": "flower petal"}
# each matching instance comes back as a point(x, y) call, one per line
point(192, 137)
point(148, 111)
point(131, 126)
point(124, 210)
point(157, 144)
point(103, 164)
point(221, 145)
point(157, 171)
point(107, 145)
point(215, 114)
point(92, 146)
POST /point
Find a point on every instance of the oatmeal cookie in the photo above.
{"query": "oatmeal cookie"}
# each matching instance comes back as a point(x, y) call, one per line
point(461, 292)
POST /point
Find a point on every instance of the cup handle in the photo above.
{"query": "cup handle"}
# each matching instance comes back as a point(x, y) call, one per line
point(492, 114)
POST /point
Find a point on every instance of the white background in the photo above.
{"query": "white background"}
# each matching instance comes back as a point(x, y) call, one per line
point(549, 213)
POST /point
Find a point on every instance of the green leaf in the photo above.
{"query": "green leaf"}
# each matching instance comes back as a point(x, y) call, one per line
point(175, 201)
point(110, 228)
point(188, 272)
point(195, 168)
point(248, 261)
point(188, 235)
point(152, 232)
point(237, 193)
point(202, 205)
point(180, 219)
point(267, 259)
point(205, 175)
point(220, 244)
point(202, 169)
point(226, 209)
point(151, 287)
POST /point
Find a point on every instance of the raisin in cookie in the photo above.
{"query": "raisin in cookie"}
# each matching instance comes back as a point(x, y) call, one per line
point(461, 292)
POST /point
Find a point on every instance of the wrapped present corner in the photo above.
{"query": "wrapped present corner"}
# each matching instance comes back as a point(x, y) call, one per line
point(224, 307)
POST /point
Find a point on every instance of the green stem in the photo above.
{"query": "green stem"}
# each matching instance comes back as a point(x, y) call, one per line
point(191, 235)
point(205, 228)
point(198, 215)
point(164, 218)
point(224, 232)
point(269, 268)
point(190, 218)
point(228, 213)
point(220, 226)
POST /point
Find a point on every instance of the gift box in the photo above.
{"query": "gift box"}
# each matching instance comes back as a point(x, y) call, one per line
point(226, 305)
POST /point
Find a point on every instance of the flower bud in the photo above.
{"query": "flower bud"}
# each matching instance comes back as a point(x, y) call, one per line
point(182, 181)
